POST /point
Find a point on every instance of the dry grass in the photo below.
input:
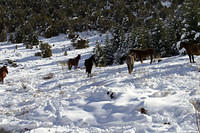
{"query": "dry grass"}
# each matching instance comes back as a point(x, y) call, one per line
point(49, 76)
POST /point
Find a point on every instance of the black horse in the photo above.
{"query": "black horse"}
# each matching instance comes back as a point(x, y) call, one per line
point(89, 63)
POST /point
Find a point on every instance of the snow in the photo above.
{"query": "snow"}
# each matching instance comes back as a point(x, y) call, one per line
point(166, 3)
point(197, 35)
point(72, 102)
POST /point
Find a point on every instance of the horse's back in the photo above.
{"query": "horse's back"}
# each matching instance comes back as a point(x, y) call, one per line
point(143, 52)
point(195, 49)
point(192, 48)
point(88, 63)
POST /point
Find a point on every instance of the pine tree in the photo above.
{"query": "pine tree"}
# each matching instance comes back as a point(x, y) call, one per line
point(191, 18)
point(3, 36)
point(108, 52)
point(98, 51)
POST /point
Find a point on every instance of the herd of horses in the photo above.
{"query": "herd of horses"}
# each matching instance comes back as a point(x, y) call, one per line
point(191, 49)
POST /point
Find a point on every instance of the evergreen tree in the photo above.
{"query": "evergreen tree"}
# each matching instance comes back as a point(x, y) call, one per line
point(108, 56)
point(3, 36)
point(191, 18)
point(98, 51)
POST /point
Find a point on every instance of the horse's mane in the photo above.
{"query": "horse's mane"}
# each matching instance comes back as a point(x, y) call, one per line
point(4, 68)
point(78, 56)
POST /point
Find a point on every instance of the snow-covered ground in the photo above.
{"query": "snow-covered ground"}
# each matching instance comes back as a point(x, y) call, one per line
point(72, 102)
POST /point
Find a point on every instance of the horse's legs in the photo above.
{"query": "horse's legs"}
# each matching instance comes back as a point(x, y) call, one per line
point(190, 58)
point(151, 59)
point(141, 59)
point(1, 80)
point(193, 58)
point(69, 65)
point(129, 68)
point(89, 75)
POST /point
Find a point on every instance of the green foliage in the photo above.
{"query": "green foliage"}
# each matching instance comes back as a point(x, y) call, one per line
point(3, 36)
point(19, 36)
point(80, 43)
point(98, 51)
point(45, 50)
point(133, 24)
point(51, 31)
point(191, 15)
point(31, 40)
point(38, 54)
point(12, 38)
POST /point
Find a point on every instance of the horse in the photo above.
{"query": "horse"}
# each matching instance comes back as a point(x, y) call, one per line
point(3, 72)
point(142, 53)
point(191, 49)
point(73, 62)
point(130, 62)
point(89, 63)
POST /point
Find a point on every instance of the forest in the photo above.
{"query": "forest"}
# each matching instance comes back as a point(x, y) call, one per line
point(158, 24)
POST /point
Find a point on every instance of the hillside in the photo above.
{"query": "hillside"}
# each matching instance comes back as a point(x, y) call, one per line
point(69, 101)
point(158, 24)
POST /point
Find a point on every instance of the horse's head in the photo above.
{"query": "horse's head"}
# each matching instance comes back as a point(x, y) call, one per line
point(5, 69)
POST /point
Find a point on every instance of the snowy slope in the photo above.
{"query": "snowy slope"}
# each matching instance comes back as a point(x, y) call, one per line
point(72, 102)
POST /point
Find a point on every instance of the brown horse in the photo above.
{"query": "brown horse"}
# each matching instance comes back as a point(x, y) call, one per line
point(130, 62)
point(3, 72)
point(191, 49)
point(73, 62)
point(89, 63)
point(142, 53)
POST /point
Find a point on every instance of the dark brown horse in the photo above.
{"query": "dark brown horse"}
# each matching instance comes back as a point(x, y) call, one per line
point(130, 62)
point(73, 62)
point(3, 72)
point(143, 53)
point(191, 49)
point(89, 63)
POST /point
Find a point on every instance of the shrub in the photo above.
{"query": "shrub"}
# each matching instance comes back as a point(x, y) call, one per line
point(80, 44)
point(38, 54)
point(49, 76)
point(31, 40)
point(19, 36)
point(51, 31)
point(65, 53)
point(12, 38)
point(45, 50)
point(72, 36)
